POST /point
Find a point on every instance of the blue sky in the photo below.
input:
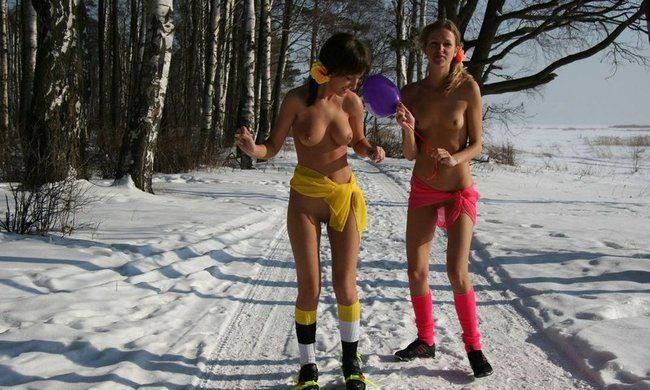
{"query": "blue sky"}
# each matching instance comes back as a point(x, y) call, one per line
point(586, 92)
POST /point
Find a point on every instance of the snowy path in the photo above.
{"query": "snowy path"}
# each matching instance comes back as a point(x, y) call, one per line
point(256, 346)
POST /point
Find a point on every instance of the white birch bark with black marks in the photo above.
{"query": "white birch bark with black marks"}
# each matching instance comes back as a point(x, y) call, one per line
point(246, 106)
point(400, 58)
point(221, 75)
point(53, 152)
point(412, 38)
point(139, 143)
point(212, 37)
point(28, 56)
point(264, 59)
point(282, 53)
point(422, 21)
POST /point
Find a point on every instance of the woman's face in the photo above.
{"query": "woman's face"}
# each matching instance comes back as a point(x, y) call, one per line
point(341, 84)
point(440, 47)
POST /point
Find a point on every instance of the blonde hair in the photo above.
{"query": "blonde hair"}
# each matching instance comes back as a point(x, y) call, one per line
point(457, 73)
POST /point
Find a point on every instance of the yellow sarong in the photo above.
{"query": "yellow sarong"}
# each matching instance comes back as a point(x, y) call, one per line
point(338, 197)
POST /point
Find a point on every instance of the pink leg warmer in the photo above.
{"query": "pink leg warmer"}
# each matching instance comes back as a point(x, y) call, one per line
point(466, 309)
point(423, 308)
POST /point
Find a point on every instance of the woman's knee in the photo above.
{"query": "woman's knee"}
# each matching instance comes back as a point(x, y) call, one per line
point(459, 280)
point(346, 292)
point(308, 296)
point(418, 276)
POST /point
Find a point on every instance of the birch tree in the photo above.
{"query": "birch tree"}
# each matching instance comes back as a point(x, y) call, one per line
point(282, 53)
point(53, 129)
point(139, 143)
point(4, 79)
point(28, 56)
point(264, 59)
point(246, 106)
point(212, 38)
point(400, 43)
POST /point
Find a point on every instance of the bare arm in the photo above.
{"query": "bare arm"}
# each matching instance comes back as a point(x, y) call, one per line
point(359, 142)
point(406, 120)
point(271, 146)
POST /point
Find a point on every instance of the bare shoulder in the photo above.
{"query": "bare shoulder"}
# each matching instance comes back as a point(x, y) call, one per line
point(296, 97)
point(469, 89)
point(352, 103)
point(410, 91)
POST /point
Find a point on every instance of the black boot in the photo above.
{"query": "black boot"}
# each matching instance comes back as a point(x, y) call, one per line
point(307, 378)
point(354, 379)
point(417, 349)
point(479, 364)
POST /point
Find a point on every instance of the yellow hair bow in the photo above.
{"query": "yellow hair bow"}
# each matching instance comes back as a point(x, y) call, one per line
point(318, 72)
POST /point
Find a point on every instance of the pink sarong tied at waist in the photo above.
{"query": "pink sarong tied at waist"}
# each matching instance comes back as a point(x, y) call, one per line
point(464, 201)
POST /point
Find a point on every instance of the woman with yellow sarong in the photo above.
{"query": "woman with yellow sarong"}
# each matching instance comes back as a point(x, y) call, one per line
point(325, 117)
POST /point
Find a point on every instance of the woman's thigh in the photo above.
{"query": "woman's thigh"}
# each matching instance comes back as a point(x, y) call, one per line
point(345, 253)
point(304, 216)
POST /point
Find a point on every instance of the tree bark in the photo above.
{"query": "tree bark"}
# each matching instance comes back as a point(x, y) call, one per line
point(422, 21)
point(139, 143)
point(4, 79)
point(208, 87)
point(246, 106)
point(53, 152)
point(264, 59)
point(284, 44)
point(101, 46)
point(400, 59)
point(29, 45)
point(116, 80)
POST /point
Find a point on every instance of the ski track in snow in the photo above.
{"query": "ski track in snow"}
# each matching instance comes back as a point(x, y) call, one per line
point(256, 347)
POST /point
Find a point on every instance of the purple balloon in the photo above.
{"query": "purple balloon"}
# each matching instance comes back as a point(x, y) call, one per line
point(381, 95)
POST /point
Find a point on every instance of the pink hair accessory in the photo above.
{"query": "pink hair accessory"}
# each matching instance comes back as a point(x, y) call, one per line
point(460, 56)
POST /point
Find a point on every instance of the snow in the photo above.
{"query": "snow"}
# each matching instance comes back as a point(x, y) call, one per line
point(195, 286)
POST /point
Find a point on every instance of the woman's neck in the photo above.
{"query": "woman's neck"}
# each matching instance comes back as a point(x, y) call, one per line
point(437, 76)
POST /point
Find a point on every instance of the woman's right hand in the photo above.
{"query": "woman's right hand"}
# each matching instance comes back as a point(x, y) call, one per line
point(404, 117)
point(245, 141)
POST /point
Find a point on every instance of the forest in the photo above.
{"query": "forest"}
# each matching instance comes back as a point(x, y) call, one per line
point(106, 88)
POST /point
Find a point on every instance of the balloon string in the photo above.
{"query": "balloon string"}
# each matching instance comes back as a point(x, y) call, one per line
point(429, 151)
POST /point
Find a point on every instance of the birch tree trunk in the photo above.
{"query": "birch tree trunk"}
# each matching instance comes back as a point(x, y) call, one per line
point(412, 39)
point(264, 59)
point(29, 45)
point(314, 34)
point(85, 89)
point(422, 21)
point(4, 79)
point(282, 53)
point(246, 106)
point(400, 59)
point(208, 87)
point(54, 126)
point(139, 143)
point(221, 76)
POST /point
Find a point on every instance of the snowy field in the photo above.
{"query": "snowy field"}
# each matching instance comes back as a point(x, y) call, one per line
point(194, 286)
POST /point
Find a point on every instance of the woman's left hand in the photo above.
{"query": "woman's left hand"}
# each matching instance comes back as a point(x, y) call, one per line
point(442, 156)
point(376, 154)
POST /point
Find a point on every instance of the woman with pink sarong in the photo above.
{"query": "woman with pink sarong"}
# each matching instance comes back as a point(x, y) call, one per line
point(441, 122)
